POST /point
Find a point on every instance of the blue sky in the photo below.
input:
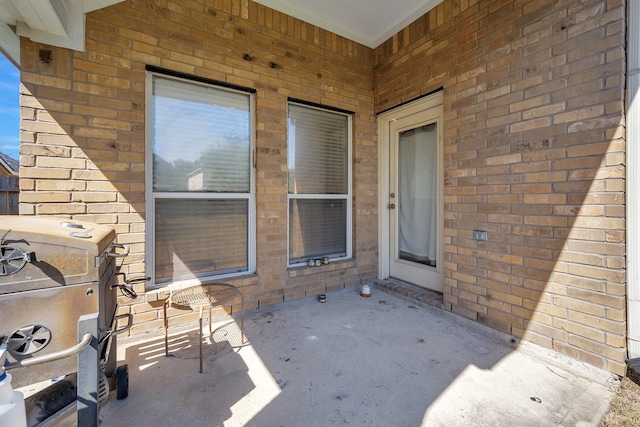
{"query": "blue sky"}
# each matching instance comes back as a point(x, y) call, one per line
point(9, 108)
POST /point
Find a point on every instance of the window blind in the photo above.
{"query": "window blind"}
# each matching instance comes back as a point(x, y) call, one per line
point(202, 200)
point(319, 187)
point(199, 237)
point(318, 228)
point(201, 139)
point(317, 157)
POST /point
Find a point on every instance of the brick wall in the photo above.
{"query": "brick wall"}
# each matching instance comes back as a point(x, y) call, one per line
point(83, 127)
point(534, 146)
point(534, 154)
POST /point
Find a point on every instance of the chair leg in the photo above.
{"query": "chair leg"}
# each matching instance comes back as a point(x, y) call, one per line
point(166, 330)
point(242, 318)
point(200, 334)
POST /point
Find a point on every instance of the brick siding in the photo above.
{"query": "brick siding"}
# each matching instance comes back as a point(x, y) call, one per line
point(534, 154)
point(533, 135)
point(83, 127)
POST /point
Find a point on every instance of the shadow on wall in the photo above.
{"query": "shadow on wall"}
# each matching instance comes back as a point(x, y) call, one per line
point(534, 143)
point(533, 135)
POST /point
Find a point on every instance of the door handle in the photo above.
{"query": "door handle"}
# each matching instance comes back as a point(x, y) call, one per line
point(391, 206)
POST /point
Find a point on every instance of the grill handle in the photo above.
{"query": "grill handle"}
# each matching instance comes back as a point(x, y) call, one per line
point(84, 342)
point(126, 289)
point(119, 246)
point(98, 259)
point(125, 328)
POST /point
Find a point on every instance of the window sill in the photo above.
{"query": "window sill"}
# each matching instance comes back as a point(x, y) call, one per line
point(305, 270)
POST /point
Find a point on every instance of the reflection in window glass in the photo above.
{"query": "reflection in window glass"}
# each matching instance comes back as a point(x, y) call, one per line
point(319, 183)
point(201, 138)
point(318, 228)
point(201, 180)
point(200, 238)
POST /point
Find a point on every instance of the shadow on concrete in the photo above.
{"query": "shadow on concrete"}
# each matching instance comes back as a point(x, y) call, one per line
point(378, 361)
point(169, 390)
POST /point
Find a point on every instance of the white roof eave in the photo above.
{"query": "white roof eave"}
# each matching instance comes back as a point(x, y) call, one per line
point(58, 23)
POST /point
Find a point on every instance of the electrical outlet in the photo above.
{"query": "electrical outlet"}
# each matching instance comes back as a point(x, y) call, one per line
point(479, 235)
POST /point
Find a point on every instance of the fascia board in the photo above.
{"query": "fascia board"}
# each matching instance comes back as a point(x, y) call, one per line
point(9, 43)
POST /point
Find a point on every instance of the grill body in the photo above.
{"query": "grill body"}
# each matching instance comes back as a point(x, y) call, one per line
point(53, 271)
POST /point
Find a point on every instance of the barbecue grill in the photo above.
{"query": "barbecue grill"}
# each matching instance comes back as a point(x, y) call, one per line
point(58, 301)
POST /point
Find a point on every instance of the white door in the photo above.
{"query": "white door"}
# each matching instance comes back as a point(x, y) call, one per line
point(414, 201)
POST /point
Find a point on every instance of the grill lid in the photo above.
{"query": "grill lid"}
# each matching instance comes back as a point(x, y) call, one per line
point(43, 252)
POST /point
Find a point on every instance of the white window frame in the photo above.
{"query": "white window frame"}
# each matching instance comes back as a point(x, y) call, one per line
point(348, 197)
point(152, 196)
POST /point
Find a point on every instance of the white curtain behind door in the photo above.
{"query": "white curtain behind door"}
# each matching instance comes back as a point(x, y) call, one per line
point(417, 194)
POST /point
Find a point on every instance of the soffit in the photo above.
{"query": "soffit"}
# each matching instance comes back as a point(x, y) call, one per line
point(368, 22)
point(61, 22)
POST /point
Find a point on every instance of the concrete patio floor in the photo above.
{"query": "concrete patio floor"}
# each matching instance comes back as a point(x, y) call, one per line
point(379, 361)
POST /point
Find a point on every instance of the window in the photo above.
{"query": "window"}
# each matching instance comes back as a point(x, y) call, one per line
point(199, 174)
point(319, 162)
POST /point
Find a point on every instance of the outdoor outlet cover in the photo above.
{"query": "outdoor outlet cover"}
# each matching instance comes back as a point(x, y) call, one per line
point(479, 235)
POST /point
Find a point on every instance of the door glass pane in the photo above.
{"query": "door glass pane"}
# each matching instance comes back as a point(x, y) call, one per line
point(417, 195)
point(200, 237)
point(317, 228)
point(201, 138)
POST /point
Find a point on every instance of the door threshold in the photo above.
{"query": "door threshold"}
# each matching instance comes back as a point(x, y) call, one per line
point(421, 296)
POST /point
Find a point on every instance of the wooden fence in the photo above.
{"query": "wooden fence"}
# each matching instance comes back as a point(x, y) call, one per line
point(9, 192)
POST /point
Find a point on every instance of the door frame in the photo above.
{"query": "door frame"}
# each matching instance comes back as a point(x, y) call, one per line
point(384, 120)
